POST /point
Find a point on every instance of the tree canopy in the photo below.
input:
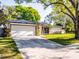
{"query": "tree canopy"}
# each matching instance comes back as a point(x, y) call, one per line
point(2, 16)
point(22, 13)
point(27, 13)
point(11, 13)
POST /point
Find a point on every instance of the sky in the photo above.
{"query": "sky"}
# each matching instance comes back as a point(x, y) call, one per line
point(39, 7)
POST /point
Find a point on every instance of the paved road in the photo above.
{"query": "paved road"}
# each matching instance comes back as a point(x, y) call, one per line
point(32, 47)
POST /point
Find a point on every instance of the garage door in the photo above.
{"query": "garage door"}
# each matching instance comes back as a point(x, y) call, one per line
point(23, 30)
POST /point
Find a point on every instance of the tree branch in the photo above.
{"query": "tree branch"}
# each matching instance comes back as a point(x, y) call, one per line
point(63, 5)
point(44, 3)
point(72, 2)
point(69, 16)
point(2, 16)
point(76, 6)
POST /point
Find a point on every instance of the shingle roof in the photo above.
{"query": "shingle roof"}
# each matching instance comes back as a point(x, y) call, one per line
point(25, 22)
point(21, 21)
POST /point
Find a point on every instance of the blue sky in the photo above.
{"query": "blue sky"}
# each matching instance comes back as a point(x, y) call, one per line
point(39, 7)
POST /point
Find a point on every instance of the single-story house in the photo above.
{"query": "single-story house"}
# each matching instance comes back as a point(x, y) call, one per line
point(31, 28)
point(28, 26)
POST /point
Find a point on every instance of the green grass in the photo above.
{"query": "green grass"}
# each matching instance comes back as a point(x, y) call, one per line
point(64, 39)
point(8, 49)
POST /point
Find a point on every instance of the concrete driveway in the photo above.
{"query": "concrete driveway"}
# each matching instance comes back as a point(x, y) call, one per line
point(32, 47)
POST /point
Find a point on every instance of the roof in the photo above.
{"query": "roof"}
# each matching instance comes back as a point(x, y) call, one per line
point(25, 22)
point(21, 21)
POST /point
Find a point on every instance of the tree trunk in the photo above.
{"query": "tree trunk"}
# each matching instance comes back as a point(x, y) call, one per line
point(77, 29)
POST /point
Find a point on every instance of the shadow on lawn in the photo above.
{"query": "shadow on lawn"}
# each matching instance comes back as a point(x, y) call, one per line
point(8, 49)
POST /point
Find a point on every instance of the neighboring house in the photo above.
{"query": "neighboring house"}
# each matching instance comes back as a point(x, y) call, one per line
point(57, 29)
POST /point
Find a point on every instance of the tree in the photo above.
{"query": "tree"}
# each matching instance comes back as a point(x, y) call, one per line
point(22, 12)
point(11, 13)
point(67, 7)
point(27, 13)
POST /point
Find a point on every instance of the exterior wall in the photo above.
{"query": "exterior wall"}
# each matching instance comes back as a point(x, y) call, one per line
point(38, 30)
point(56, 30)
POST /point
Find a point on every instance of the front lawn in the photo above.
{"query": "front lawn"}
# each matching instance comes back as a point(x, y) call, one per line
point(8, 49)
point(64, 39)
